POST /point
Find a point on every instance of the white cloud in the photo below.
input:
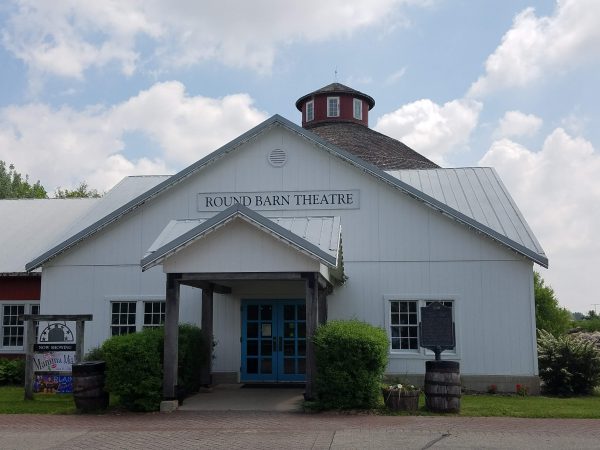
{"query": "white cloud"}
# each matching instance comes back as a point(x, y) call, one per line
point(393, 78)
point(62, 147)
point(431, 129)
point(66, 37)
point(535, 46)
point(516, 123)
point(558, 191)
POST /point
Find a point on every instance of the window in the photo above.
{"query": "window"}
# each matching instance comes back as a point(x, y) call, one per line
point(12, 329)
point(358, 109)
point(154, 314)
point(129, 316)
point(310, 111)
point(404, 322)
point(122, 318)
point(333, 106)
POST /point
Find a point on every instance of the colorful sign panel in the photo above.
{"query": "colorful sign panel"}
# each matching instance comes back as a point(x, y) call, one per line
point(53, 358)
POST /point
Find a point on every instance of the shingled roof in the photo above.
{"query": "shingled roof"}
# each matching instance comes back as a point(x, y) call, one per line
point(336, 88)
point(350, 130)
point(376, 148)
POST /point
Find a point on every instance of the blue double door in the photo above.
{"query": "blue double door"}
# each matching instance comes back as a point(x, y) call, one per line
point(273, 340)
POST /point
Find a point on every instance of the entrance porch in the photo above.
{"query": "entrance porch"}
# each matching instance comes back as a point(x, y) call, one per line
point(241, 256)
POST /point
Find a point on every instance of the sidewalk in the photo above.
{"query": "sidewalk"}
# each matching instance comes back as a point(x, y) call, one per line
point(285, 430)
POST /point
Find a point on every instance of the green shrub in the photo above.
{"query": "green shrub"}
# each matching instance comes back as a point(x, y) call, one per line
point(134, 368)
point(194, 353)
point(12, 371)
point(95, 354)
point(567, 365)
point(134, 365)
point(351, 359)
point(590, 325)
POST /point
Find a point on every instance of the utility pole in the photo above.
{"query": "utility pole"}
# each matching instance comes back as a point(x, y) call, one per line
point(595, 305)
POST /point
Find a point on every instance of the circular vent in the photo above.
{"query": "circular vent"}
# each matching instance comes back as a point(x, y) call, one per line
point(277, 157)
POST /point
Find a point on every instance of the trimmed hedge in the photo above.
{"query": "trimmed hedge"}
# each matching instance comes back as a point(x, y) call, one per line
point(134, 368)
point(134, 365)
point(12, 371)
point(351, 359)
point(568, 365)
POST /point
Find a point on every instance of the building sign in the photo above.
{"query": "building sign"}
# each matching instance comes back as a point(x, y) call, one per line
point(54, 356)
point(280, 200)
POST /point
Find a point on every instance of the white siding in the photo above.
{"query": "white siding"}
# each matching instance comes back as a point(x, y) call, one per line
point(393, 245)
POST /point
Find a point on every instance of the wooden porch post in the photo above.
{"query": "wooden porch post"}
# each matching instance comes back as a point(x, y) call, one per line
point(171, 337)
point(312, 308)
point(207, 329)
point(322, 306)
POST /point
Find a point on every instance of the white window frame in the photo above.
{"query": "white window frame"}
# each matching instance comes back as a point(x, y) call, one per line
point(422, 353)
point(140, 301)
point(357, 111)
point(310, 106)
point(28, 305)
point(337, 112)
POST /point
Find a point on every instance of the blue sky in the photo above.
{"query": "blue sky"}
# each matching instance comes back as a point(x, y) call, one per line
point(96, 91)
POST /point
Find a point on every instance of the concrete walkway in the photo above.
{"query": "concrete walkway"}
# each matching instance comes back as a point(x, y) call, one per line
point(232, 397)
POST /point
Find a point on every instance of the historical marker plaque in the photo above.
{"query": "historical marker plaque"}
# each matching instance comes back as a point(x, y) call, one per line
point(436, 329)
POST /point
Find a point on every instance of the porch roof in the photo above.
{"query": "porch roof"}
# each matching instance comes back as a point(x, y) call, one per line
point(317, 237)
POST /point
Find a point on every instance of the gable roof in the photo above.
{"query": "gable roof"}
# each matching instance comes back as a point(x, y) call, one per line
point(478, 193)
point(323, 246)
point(30, 226)
point(332, 149)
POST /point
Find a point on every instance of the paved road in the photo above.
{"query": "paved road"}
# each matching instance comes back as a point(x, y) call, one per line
point(272, 430)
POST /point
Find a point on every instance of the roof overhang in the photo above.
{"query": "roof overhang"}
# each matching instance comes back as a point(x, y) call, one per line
point(170, 242)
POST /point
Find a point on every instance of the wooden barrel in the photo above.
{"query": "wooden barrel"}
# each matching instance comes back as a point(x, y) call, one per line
point(88, 386)
point(442, 386)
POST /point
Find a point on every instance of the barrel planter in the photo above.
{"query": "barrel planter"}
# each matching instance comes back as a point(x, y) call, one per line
point(442, 386)
point(399, 400)
point(88, 386)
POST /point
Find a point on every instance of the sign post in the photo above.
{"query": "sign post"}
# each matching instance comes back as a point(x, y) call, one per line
point(54, 337)
point(436, 329)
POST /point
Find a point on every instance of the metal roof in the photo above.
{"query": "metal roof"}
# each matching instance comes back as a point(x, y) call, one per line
point(66, 223)
point(332, 149)
point(319, 237)
point(478, 193)
point(28, 227)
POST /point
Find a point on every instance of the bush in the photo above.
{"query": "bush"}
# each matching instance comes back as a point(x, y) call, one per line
point(351, 359)
point(134, 365)
point(95, 354)
point(194, 353)
point(12, 371)
point(568, 366)
point(134, 368)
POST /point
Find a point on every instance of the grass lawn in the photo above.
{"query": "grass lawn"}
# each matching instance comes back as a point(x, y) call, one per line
point(11, 402)
point(485, 405)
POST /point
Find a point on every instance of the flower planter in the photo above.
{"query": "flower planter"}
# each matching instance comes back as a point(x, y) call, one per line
point(398, 400)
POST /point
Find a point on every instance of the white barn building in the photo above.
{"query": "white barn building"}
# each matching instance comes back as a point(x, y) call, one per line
point(286, 227)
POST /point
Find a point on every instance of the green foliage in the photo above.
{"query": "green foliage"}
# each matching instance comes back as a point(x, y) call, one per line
point(549, 315)
point(134, 368)
point(134, 365)
point(351, 359)
point(82, 191)
point(194, 353)
point(95, 354)
point(589, 322)
point(12, 371)
point(567, 365)
point(13, 185)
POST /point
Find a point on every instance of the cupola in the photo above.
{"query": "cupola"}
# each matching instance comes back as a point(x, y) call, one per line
point(335, 103)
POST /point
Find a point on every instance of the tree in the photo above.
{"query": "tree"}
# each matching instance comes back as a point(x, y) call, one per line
point(82, 191)
point(549, 315)
point(12, 184)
